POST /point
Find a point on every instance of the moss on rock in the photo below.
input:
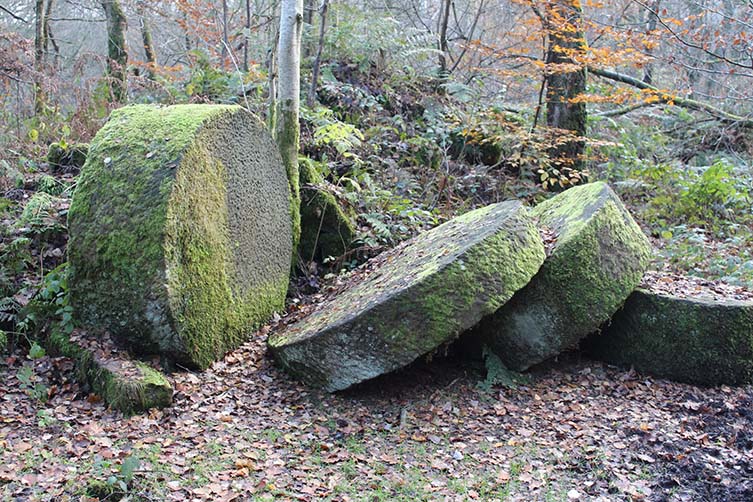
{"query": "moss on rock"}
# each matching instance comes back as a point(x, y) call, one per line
point(126, 385)
point(598, 258)
point(698, 341)
point(66, 157)
point(180, 230)
point(426, 293)
point(325, 228)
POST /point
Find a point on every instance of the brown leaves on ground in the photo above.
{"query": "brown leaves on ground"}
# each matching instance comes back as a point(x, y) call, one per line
point(243, 430)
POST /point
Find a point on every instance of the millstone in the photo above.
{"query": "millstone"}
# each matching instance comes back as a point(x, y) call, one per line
point(425, 293)
point(699, 341)
point(180, 231)
point(599, 257)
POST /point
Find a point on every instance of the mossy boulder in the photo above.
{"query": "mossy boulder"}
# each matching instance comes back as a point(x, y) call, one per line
point(325, 228)
point(180, 231)
point(423, 294)
point(598, 258)
point(64, 157)
point(698, 341)
point(126, 385)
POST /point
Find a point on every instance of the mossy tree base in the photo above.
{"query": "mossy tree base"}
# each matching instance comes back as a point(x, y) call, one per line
point(598, 258)
point(703, 342)
point(325, 229)
point(426, 293)
point(63, 157)
point(124, 384)
point(180, 231)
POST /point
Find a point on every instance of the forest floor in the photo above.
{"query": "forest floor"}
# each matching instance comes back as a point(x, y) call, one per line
point(243, 430)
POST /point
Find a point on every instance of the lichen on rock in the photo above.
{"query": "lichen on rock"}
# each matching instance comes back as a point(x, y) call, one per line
point(326, 231)
point(426, 293)
point(599, 257)
point(180, 230)
point(692, 340)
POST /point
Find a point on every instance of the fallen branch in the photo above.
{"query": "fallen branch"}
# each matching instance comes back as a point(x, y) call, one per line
point(667, 98)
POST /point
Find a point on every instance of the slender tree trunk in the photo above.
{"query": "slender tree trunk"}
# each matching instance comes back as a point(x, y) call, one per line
point(117, 57)
point(39, 44)
point(49, 38)
point(225, 42)
point(443, 22)
point(288, 105)
point(648, 69)
point(308, 19)
point(566, 79)
point(247, 35)
point(311, 98)
point(146, 37)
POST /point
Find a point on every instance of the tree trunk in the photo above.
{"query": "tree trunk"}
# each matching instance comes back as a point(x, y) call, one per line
point(146, 38)
point(117, 57)
point(49, 39)
point(311, 99)
point(444, 19)
point(225, 40)
point(39, 43)
point(648, 69)
point(566, 80)
point(288, 104)
point(247, 35)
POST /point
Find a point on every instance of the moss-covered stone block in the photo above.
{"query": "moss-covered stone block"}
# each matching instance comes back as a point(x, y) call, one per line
point(124, 384)
point(598, 258)
point(692, 340)
point(66, 157)
point(180, 231)
point(325, 228)
point(424, 294)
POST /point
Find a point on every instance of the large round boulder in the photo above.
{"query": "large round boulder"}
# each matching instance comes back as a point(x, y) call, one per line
point(424, 293)
point(704, 341)
point(598, 255)
point(180, 230)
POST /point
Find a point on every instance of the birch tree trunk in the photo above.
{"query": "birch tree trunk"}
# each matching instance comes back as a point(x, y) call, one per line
point(287, 131)
point(117, 57)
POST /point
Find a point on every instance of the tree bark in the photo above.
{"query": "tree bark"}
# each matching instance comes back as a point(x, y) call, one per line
point(443, 21)
point(39, 43)
point(288, 104)
point(146, 37)
point(247, 35)
point(651, 22)
point(117, 57)
point(566, 79)
point(311, 98)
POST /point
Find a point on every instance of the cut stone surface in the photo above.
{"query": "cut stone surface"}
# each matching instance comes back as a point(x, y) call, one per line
point(426, 293)
point(598, 258)
point(180, 231)
point(126, 385)
point(325, 229)
point(692, 340)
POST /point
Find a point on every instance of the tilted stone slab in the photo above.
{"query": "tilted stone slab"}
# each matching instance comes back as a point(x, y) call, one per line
point(426, 293)
point(180, 230)
point(599, 257)
point(124, 384)
point(699, 341)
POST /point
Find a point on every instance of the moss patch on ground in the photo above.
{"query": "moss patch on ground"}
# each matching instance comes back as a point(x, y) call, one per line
point(180, 231)
point(426, 293)
point(704, 342)
point(599, 257)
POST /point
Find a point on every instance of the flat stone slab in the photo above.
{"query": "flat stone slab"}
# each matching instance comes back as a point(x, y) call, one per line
point(425, 294)
point(180, 231)
point(125, 384)
point(598, 257)
point(702, 341)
